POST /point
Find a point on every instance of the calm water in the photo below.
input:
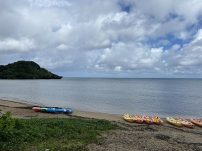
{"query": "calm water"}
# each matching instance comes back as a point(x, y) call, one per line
point(181, 97)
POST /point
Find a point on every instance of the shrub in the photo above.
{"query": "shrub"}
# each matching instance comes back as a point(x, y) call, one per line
point(7, 125)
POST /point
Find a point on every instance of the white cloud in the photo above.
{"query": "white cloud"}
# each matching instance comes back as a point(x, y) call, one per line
point(175, 47)
point(99, 35)
point(122, 56)
point(22, 45)
point(191, 54)
point(162, 10)
point(48, 3)
point(62, 47)
point(171, 15)
point(118, 68)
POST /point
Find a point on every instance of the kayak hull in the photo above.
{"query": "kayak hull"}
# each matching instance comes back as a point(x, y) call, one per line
point(43, 109)
point(157, 120)
point(174, 122)
point(197, 122)
point(53, 110)
point(186, 123)
point(147, 120)
point(138, 119)
point(36, 109)
point(128, 118)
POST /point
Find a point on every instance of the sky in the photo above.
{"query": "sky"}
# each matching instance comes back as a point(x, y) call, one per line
point(105, 38)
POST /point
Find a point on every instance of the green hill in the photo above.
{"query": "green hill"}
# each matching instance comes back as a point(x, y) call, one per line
point(25, 70)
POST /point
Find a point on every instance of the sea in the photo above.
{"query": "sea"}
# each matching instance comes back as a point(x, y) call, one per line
point(162, 97)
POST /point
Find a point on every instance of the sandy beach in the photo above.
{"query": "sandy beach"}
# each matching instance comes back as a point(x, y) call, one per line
point(23, 110)
point(133, 137)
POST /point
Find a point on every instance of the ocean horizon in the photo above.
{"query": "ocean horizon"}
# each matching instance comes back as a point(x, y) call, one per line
point(150, 96)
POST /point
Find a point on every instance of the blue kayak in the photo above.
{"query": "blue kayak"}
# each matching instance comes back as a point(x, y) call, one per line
point(59, 110)
point(50, 110)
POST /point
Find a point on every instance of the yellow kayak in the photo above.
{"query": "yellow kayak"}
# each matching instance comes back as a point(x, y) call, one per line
point(174, 122)
point(128, 118)
point(147, 119)
point(157, 120)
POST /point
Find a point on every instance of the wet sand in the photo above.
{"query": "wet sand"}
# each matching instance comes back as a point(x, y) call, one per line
point(131, 137)
point(24, 110)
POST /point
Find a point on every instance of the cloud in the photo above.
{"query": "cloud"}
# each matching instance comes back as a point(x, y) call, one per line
point(170, 15)
point(168, 9)
point(129, 57)
point(48, 3)
point(103, 36)
point(13, 45)
point(191, 54)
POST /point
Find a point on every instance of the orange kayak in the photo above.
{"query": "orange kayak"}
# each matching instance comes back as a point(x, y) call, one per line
point(197, 122)
point(138, 119)
point(185, 123)
point(157, 120)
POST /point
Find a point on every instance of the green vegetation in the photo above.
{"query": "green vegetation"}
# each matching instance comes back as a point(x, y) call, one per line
point(25, 70)
point(53, 134)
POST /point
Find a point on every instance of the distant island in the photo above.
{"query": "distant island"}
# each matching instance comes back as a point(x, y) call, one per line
point(25, 70)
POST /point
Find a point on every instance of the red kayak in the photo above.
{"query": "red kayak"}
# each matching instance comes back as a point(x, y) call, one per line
point(197, 122)
point(36, 109)
point(138, 119)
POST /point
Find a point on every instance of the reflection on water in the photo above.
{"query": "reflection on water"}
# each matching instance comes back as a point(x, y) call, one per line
point(145, 96)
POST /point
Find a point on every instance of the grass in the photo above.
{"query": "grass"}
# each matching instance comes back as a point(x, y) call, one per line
point(50, 134)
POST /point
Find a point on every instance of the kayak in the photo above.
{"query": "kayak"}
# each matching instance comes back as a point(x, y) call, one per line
point(147, 120)
point(197, 122)
point(138, 119)
point(157, 120)
point(185, 123)
point(36, 109)
point(39, 109)
point(63, 110)
point(59, 110)
point(128, 118)
point(43, 109)
point(50, 110)
point(174, 122)
point(53, 110)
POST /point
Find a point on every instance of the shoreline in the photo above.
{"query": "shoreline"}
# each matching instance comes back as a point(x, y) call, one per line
point(130, 136)
point(15, 107)
point(23, 110)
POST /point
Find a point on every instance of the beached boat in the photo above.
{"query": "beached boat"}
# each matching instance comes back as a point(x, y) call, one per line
point(128, 118)
point(197, 122)
point(157, 120)
point(39, 109)
point(50, 110)
point(53, 110)
point(138, 119)
point(147, 120)
point(43, 109)
point(63, 110)
point(57, 110)
point(36, 109)
point(174, 122)
point(186, 123)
